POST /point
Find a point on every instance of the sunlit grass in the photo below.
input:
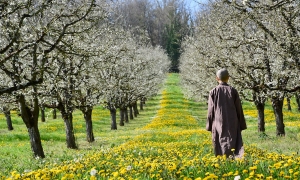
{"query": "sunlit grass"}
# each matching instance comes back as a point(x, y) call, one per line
point(288, 144)
point(166, 141)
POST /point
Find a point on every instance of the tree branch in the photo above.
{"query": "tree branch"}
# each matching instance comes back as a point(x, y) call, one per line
point(21, 86)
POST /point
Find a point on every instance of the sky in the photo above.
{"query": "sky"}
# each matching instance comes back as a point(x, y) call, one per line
point(195, 4)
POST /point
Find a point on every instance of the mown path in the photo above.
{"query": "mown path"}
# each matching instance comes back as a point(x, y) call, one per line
point(173, 146)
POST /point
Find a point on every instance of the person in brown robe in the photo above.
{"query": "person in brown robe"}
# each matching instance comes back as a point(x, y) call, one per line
point(225, 118)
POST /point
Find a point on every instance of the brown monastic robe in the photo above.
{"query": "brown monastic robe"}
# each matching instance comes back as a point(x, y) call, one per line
point(225, 119)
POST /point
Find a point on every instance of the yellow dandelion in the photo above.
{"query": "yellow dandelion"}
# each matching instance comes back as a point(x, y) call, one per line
point(115, 174)
point(253, 168)
point(225, 175)
point(230, 173)
point(245, 171)
point(216, 165)
point(260, 176)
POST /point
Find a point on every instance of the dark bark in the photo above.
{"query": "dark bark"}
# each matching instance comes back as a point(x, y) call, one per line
point(260, 107)
point(289, 104)
point(141, 105)
point(54, 115)
point(126, 115)
point(20, 86)
point(8, 119)
point(113, 116)
point(43, 118)
point(277, 104)
point(70, 137)
point(30, 118)
point(89, 124)
point(122, 116)
point(130, 112)
point(35, 141)
point(135, 109)
point(259, 102)
point(67, 116)
point(298, 100)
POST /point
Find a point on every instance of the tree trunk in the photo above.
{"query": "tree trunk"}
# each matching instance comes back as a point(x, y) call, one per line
point(135, 109)
point(113, 116)
point(35, 141)
point(260, 107)
point(122, 116)
point(67, 116)
point(126, 115)
point(130, 112)
point(30, 118)
point(54, 115)
point(141, 105)
point(6, 112)
point(277, 104)
point(89, 124)
point(43, 114)
point(70, 137)
point(298, 100)
point(289, 103)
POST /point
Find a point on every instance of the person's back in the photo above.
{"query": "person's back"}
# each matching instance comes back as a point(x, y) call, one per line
point(225, 118)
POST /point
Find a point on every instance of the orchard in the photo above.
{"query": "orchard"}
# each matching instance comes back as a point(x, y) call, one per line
point(95, 89)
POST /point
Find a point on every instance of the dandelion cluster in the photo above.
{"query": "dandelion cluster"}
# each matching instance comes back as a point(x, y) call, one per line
point(269, 115)
point(172, 146)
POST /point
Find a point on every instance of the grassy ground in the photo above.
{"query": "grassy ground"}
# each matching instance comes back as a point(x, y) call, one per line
point(286, 145)
point(167, 140)
point(15, 152)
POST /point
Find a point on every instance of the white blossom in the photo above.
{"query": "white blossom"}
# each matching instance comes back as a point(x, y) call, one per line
point(128, 168)
point(238, 177)
point(93, 172)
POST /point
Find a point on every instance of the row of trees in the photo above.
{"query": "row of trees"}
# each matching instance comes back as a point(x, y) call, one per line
point(164, 22)
point(71, 55)
point(258, 41)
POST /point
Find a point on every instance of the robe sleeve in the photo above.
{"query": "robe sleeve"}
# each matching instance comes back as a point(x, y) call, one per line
point(240, 113)
point(210, 113)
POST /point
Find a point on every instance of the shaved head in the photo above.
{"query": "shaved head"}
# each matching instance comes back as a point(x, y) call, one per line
point(223, 74)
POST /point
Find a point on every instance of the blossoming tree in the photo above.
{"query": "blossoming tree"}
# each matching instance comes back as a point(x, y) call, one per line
point(32, 31)
point(127, 75)
point(250, 39)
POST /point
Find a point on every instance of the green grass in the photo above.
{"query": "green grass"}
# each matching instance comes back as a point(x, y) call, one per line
point(15, 152)
point(286, 145)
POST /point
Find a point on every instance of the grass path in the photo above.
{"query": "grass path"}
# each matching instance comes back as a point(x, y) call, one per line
point(174, 145)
